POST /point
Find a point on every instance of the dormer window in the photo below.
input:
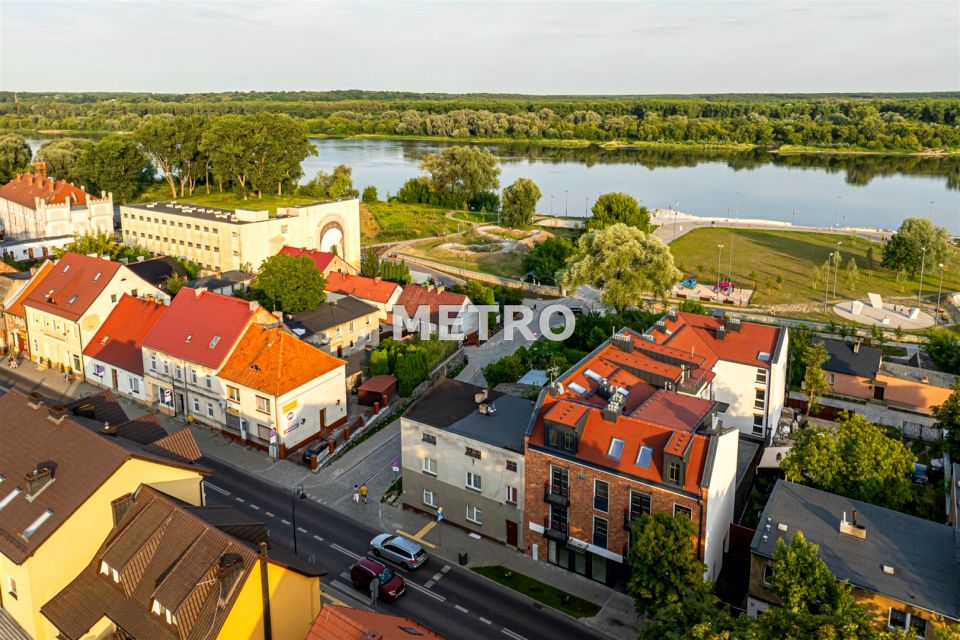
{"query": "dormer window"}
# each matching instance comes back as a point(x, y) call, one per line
point(616, 449)
point(107, 571)
point(161, 610)
point(9, 497)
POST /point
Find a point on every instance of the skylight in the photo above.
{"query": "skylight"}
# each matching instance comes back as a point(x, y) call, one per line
point(576, 387)
point(36, 524)
point(644, 456)
point(616, 449)
point(214, 342)
point(72, 299)
point(96, 277)
point(763, 356)
point(66, 267)
point(10, 496)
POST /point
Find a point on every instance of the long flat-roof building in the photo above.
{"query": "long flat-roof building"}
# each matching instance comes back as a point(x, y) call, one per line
point(228, 239)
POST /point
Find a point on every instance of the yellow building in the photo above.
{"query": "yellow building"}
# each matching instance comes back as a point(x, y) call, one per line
point(166, 573)
point(60, 483)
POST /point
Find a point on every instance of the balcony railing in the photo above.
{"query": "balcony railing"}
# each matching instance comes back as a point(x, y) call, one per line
point(556, 494)
point(555, 531)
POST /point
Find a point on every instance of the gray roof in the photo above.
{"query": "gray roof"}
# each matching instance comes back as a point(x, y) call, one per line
point(330, 314)
point(916, 374)
point(923, 553)
point(450, 405)
point(225, 279)
point(157, 270)
point(865, 362)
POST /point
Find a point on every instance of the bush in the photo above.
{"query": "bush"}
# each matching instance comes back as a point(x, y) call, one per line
point(370, 194)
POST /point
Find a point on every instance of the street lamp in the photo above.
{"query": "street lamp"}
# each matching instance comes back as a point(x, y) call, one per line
point(730, 264)
point(839, 198)
point(923, 259)
point(836, 268)
point(586, 199)
point(794, 223)
point(719, 252)
point(931, 209)
point(738, 206)
point(936, 318)
point(826, 282)
point(566, 202)
point(295, 496)
point(551, 205)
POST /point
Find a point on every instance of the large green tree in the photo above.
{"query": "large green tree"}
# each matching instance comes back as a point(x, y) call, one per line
point(663, 561)
point(520, 203)
point(814, 379)
point(338, 184)
point(948, 419)
point(227, 142)
point(548, 257)
point(905, 249)
point(290, 283)
point(116, 165)
point(857, 459)
point(159, 137)
point(459, 174)
point(15, 155)
point(279, 146)
point(623, 263)
point(800, 340)
point(944, 348)
point(60, 155)
point(611, 208)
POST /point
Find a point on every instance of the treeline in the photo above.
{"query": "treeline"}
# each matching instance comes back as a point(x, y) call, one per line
point(882, 124)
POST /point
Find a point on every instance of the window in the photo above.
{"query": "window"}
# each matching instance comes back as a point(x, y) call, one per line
point(134, 385)
point(757, 424)
point(430, 466)
point(196, 405)
point(263, 404)
point(601, 495)
point(831, 379)
point(193, 376)
point(10, 496)
point(283, 228)
point(554, 438)
point(179, 371)
point(761, 376)
point(511, 466)
point(673, 472)
point(153, 363)
point(166, 368)
point(599, 532)
point(113, 298)
point(759, 399)
point(429, 498)
point(568, 441)
point(768, 574)
point(209, 409)
point(473, 453)
point(902, 621)
point(680, 510)
point(233, 393)
point(472, 481)
point(616, 449)
point(474, 514)
point(639, 504)
point(12, 587)
point(558, 481)
point(429, 438)
point(644, 457)
point(511, 495)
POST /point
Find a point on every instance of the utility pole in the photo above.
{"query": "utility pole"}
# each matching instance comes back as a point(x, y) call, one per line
point(719, 253)
point(923, 259)
point(738, 206)
point(936, 318)
point(586, 200)
point(551, 205)
point(730, 267)
point(839, 198)
point(826, 282)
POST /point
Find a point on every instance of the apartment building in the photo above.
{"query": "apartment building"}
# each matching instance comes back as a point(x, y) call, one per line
point(34, 206)
point(748, 361)
point(626, 432)
point(340, 327)
point(68, 306)
point(227, 240)
point(462, 450)
point(15, 314)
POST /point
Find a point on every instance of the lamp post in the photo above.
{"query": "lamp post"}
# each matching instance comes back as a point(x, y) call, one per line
point(936, 318)
point(730, 264)
point(551, 205)
point(566, 203)
point(794, 223)
point(931, 209)
point(295, 496)
point(836, 268)
point(719, 253)
point(738, 206)
point(673, 209)
point(923, 259)
point(826, 282)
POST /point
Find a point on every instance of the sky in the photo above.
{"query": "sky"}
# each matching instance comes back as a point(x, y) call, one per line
point(680, 46)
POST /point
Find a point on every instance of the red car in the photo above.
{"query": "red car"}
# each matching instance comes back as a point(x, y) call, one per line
point(391, 586)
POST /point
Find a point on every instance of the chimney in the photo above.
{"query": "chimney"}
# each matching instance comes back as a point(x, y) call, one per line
point(721, 332)
point(199, 291)
point(35, 400)
point(852, 528)
point(38, 479)
point(856, 349)
point(622, 342)
point(377, 278)
point(254, 305)
point(56, 414)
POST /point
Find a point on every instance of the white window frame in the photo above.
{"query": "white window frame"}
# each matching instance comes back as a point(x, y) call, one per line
point(473, 481)
point(477, 517)
point(261, 403)
point(430, 466)
point(432, 501)
point(513, 495)
point(196, 405)
point(134, 384)
point(209, 409)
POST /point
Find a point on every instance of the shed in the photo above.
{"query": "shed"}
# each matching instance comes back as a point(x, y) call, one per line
point(374, 389)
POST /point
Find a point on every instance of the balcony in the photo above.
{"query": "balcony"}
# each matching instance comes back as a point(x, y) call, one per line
point(557, 532)
point(556, 494)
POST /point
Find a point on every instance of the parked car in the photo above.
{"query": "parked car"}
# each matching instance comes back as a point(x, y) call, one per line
point(311, 452)
point(391, 586)
point(406, 553)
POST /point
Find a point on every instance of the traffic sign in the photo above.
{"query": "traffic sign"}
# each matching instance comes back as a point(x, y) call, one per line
point(439, 514)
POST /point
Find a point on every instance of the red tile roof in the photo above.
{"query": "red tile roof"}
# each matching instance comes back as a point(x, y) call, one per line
point(690, 331)
point(27, 187)
point(72, 285)
point(674, 410)
point(201, 327)
point(373, 289)
point(16, 308)
point(344, 623)
point(321, 259)
point(119, 339)
point(274, 361)
point(415, 296)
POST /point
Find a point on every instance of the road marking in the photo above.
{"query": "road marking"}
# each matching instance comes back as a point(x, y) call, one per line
point(426, 529)
point(436, 576)
point(268, 514)
point(461, 609)
point(301, 530)
point(485, 621)
point(445, 568)
point(317, 538)
point(345, 551)
point(238, 499)
point(429, 584)
point(253, 506)
point(284, 521)
point(416, 539)
point(210, 485)
point(515, 636)
point(427, 591)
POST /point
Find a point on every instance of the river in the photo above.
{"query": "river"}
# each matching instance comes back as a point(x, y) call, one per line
point(813, 189)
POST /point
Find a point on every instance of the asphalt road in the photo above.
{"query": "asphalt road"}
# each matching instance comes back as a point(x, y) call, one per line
point(459, 605)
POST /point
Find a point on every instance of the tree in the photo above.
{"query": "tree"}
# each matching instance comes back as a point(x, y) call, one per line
point(944, 349)
point(948, 419)
point(905, 248)
point(158, 137)
point(857, 460)
point(60, 156)
point(800, 338)
point(663, 560)
point(814, 380)
point(853, 275)
point(291, 283)
point(693, 306)
point(102, 243)
point(871, 258)
point(611, 208)
point(332, 186)
point(15, 155)
point(370, 263)
point(369, 194)
point(519, 203)
point(485, 202)
point(460, 173)
point(226, 141)
point(174, 283)
point(548, 257)
point(623, 263)
point(115, 165)
point(279, 146)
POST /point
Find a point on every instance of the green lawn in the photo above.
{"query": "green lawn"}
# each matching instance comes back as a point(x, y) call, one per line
point(395, 221)
point(227, 199)
point(541, 592)
point(793, 256)
point(471, 216)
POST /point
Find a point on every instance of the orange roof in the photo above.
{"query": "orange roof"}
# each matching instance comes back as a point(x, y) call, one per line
point(27, 187)
point(73, 285)
point(361, 287)
point(336, 622)
point(415, 296)
point(275, 362)
point(6, 268)
point(691, 331)
point(16, 308)
point(321, 259)
point(120, 337)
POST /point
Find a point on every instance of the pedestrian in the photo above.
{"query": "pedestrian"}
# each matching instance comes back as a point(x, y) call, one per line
point(356, 494)
point(363, 493)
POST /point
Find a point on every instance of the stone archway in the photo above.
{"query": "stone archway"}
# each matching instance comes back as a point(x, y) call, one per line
point(331, 235)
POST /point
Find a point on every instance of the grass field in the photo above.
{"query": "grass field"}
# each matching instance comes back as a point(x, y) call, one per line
point(760, 256)
point(473, 216)
point(541, 592)
point(395, 221)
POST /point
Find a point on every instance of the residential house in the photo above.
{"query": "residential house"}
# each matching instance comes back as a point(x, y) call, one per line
point(325, 261)
point(627, 432)
point(749, 361)
point(226, 282)
point(339, 327)
point(12, 282)
point(33, 206)
point(281, 392)
point(459, 313)
point(59, 486)
point(376, 291)
point(902, 568)
point(167, 572)
point(34, 248)
point(462, 449)
point(855, 370)
point(337, 622)
point(66, 309)
point(186, 348)
point(157, 271)
point(15, 314)
point(114, 358)
point(227, 240)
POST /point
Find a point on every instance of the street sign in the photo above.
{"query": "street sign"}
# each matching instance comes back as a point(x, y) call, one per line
point(439, 514)
point(395, 465)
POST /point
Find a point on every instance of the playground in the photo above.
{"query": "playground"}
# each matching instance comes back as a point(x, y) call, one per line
point(726, 293)
point(883, 314)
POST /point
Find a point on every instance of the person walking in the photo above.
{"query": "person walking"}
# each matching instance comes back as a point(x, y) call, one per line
point(363, 493)
point(356, 494)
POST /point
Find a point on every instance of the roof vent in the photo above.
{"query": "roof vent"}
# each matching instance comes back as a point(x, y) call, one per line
point(672, 314)
point(487, 408)
point(35, 400)
point(57, 413)
point(782, 527)
point(890, 571)
point(733, 325)
point(852, 528)
point(856, 346)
